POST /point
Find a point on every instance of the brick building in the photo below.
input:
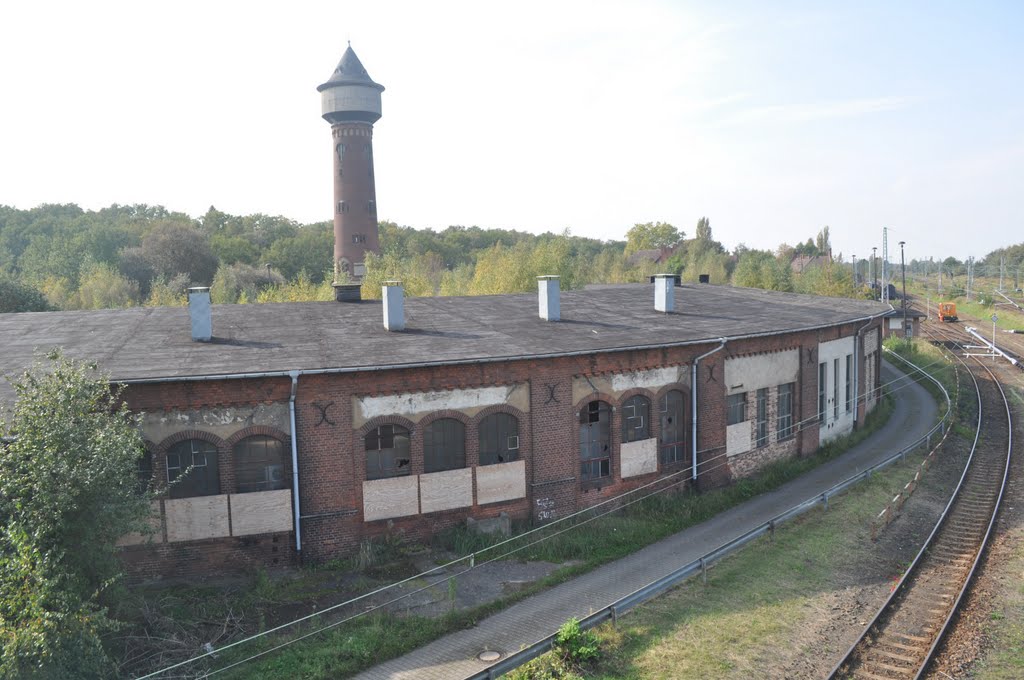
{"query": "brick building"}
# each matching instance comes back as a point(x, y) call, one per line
point(298, 430)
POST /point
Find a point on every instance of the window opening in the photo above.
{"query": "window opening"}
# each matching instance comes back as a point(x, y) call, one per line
point(499, 439)
point(835, 388)
point(849, 383)
point(444, 445)
point(784, 422)
point(822, 374)
point(387, 452)
point(635, 419)
point(192, 466)
point(595, 441)
point(259, 464)
point(736, 406)
point(672, 408)
point(762, 417)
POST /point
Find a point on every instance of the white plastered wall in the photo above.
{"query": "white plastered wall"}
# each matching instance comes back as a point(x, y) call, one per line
point(748, 374)
point(828, 352)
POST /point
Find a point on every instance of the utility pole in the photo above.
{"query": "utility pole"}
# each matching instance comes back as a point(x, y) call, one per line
point(970, 275)
point(854, 271)
point(885, 263)
point(903, 274)
point(874, 271)
point(1002, 265)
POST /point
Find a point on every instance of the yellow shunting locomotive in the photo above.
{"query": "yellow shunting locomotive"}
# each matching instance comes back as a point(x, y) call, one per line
point(947, 311)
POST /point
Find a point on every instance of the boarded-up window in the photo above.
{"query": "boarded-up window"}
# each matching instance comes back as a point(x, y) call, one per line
point(192, 469)
point(260, 464)
point(499, 439)
point(636, 419)
point(673, 427)
point(822, 381)
point(387, 452)
point(595, 441)
point(444, 445)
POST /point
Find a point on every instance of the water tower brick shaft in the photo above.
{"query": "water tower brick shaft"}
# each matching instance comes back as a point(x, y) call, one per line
point(351, 104)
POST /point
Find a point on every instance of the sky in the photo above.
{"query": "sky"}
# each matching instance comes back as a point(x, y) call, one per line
point(771, 119)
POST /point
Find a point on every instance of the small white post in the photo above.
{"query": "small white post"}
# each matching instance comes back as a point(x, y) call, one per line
point(664, 292)
point(394, 305)
point(549, 305)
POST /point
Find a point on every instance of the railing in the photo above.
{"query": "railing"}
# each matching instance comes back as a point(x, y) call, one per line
point(701, 564)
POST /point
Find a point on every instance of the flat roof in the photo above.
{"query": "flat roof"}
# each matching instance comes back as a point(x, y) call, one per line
point(149, 343)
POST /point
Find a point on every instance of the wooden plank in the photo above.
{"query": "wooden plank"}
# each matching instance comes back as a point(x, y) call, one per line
point(501, 482)
point(639, 458)
point(192, 519)
point(738, 437)
point(446, 490)
point(155, 522)
point(261, 512)
point(392, 497)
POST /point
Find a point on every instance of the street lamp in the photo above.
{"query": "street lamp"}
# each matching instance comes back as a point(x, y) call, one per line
point(903, 274)
point(854, 271)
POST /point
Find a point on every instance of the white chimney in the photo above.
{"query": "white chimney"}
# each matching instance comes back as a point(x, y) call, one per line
point(199, 311)
point(665, 292)
point(548, 298)
point(394, 305)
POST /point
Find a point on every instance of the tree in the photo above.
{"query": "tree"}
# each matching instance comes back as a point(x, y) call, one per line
point(69, 489)
point(760, 269)
point(174, 248)
point(652, 235)
point(310, 251)
point(822, 242)
point(19, 297)
point(703, 230)
point(103, 288)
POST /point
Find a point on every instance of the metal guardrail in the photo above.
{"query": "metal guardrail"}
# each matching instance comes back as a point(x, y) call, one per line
point(701, 564)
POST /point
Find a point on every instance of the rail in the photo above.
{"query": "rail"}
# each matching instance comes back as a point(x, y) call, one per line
point(612, 611)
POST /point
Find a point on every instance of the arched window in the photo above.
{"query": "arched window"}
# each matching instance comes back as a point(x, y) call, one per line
point(444, 445)
point(672, 443)
point(259, 464)
point(595, 441)
point(499, 439)
point(636, 419)
point(192, 467)
point(387, 452)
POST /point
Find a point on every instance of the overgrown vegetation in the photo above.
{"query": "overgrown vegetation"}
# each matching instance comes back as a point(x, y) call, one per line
point(68, 491)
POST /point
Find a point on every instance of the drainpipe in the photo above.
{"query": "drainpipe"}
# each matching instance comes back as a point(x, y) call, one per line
point(693, 403)
point(294, 375)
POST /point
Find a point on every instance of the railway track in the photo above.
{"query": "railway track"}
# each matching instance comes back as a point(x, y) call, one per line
point(904, 636)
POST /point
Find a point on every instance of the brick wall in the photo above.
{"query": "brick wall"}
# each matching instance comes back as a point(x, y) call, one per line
point(332, 458)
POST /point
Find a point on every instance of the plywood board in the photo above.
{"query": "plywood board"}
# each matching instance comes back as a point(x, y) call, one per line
point(191, 519)
point(393, 497)
point(156, 524)
point(446, 490)
point(639, 458)
point(501, 482)
point(261, 512)
point(738, 436)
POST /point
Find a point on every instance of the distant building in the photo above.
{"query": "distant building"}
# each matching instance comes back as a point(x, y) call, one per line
point(800, 263)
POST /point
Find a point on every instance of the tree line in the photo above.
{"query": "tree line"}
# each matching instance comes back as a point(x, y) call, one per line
point(61, 257)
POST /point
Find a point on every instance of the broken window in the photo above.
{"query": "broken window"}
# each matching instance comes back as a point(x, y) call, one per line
point(762, 417)
point(636, 419)
point(736, 408)
point(784, 421)
point(259, 464)
point(499, 439)
point(672, 408)
point(444, 445)
point(595, 441)
point(387, 452)
point(192, 469)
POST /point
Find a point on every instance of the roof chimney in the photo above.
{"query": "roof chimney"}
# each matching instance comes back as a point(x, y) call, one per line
point(665, 292)
point(394, 305)
point(199, 311)
point(548, 297)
